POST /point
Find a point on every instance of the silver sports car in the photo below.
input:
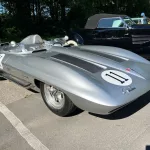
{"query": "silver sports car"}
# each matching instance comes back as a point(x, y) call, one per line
point(98, 79)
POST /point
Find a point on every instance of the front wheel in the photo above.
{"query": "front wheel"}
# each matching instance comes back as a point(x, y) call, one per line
point(56, 100)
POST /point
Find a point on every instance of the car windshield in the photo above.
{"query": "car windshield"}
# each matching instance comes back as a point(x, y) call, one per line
point(128, 21)
point(111, 23)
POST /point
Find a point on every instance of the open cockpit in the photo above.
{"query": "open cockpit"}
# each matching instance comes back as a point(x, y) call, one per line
point(34, 43)
point(26, 46)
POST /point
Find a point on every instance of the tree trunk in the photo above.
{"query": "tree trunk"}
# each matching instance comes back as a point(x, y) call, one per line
point(63, 7)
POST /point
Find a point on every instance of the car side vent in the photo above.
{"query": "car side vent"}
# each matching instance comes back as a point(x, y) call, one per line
point(78, 62)
point(41, 50)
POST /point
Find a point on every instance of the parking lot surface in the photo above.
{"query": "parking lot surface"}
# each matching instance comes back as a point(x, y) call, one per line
point(27, 124)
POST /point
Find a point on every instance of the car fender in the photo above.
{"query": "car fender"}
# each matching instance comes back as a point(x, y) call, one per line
point(70, 79)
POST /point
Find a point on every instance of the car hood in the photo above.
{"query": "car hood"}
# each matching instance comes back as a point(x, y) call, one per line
point(94, 62)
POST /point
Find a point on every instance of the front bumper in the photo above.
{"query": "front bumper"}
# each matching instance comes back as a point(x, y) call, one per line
point(111, 106)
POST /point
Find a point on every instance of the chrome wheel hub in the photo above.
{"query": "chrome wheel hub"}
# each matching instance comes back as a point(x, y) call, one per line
point(54, 97)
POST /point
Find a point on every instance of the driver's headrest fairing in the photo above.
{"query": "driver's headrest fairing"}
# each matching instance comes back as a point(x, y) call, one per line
point(32, 39)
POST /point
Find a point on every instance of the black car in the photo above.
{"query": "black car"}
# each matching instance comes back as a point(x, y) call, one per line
point(114, 30)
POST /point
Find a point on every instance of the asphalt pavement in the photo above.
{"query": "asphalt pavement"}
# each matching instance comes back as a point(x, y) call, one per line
point(27, 124)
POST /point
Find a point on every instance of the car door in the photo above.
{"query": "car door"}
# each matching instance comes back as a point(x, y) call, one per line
point(13, 70)
point(112, 32)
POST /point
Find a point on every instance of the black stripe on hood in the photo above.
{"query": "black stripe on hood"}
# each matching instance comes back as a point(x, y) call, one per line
point(114, 58)
point(78, 62)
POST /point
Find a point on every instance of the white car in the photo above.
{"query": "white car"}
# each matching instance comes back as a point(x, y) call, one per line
point(140, 20)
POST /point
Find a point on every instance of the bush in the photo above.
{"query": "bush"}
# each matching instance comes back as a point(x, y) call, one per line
point(11, 33)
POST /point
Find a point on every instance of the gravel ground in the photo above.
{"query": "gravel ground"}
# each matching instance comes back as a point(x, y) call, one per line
point(10, 92)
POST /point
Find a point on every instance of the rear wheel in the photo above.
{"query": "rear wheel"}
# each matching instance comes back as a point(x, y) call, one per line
point(56, 100)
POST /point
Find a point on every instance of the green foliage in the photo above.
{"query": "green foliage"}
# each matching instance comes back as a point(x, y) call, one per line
point(11, 33)
point(50, 18)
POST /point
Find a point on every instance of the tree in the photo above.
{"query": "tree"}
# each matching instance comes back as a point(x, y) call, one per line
point(50, 16)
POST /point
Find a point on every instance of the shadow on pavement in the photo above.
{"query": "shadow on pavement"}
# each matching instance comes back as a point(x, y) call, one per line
point(76, 112)
point(128, 110)
point(2, 79)
point(31, 90)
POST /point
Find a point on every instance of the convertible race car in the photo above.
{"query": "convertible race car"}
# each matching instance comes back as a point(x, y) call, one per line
point(114, 30)
point(98, 79)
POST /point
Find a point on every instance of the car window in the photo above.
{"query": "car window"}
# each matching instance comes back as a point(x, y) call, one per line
point(128, 21)
point(136, 20)
point(110, 23)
